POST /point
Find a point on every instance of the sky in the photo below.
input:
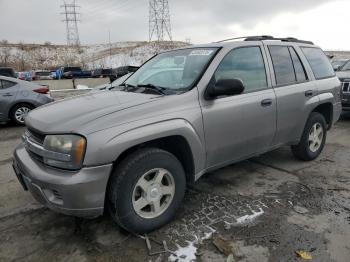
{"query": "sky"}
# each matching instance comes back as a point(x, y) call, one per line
point(324, 22)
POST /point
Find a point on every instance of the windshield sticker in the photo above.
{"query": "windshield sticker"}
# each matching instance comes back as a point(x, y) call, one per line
point(201, 52)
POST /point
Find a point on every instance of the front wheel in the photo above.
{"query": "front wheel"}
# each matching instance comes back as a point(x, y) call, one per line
point(19, 112)
point(146, 189)
point(313, 138)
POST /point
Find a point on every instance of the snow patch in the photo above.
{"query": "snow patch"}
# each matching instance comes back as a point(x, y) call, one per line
point(249, 218)
point(188, 253)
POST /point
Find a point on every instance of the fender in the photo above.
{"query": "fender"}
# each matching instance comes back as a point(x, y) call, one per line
point(311, 105)
point(326, 98)
point(118, 144)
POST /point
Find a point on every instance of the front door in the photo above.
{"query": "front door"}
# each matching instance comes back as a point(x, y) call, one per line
point(239, 126)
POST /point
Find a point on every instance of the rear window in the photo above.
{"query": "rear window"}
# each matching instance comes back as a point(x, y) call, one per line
point(298, 66)
point(283, 65)
point(320, 64)
point(6, 84)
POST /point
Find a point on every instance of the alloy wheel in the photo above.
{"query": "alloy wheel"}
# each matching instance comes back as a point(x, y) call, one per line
point(316, 137)
point(153, 193)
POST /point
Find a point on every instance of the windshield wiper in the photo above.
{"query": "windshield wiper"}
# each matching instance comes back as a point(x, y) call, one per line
point(159, 89)
point(126, 86)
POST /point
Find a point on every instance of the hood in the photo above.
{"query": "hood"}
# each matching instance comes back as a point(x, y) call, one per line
point(70, 115)
point(343, 74)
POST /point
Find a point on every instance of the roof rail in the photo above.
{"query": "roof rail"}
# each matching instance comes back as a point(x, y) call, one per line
point(268, 37)
point(242, 37)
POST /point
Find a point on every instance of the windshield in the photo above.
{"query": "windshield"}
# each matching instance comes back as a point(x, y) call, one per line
point(346, 66)
point(174, 71)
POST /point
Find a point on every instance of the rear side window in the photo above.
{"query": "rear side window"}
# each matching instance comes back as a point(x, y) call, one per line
point(246, 64)
point(283, 65)
point(6, 84)
point(320, 65)
point(298, 66)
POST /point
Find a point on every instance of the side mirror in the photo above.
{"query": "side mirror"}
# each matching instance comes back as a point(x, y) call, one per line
point(225, 87)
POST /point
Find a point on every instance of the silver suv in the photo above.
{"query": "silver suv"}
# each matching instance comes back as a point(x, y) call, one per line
point(183, 113)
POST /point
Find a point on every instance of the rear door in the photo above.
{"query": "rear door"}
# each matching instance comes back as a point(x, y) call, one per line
point(295, 91)
point(8, 91)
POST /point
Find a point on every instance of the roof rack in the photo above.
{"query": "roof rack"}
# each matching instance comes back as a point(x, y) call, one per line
point(268, 37)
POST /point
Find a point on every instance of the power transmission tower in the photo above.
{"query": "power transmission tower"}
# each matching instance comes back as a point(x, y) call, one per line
point(159, 20)
point(71, 19)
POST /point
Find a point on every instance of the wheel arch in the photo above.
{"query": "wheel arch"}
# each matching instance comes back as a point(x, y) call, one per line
point(176, 145)
point(325, 109)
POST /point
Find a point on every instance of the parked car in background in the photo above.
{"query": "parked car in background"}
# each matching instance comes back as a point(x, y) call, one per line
point(18, 97)
point(123, 70)
point(132, 152)
point(72, 72)
point(113, 86)
point(96, 73)
point(7, 71)
point(338, 63)
point(25, 76)
point(42, 75)
point(344, 76)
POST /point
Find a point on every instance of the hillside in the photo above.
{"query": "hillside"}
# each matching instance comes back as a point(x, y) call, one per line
point(48, 56)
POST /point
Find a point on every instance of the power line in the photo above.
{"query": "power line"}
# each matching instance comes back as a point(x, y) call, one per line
point(71, 19)
point(159, 20)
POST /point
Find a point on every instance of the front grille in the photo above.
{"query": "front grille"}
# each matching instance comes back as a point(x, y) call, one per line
point(57, 194)
point(35, 136)
point(346, 87)
point(36, 156)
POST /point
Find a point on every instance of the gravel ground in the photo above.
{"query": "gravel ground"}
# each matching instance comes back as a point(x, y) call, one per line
point(263, 209)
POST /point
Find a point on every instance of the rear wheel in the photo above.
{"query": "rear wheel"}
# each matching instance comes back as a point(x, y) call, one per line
point(313, 138)
point(146, 189)
point(19, 112)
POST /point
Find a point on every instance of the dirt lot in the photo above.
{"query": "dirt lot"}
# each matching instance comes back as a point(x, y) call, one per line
point(263, 209)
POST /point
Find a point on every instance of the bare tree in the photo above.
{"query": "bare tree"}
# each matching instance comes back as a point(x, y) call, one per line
point(5, 53)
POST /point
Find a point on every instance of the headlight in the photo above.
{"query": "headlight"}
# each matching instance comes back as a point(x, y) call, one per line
point(64, 151)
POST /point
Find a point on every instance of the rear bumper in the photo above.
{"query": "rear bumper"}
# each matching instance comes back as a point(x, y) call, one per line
point(80, 193)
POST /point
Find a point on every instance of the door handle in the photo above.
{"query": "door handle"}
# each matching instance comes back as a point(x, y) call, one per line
point(266, 102)
point(309, 93)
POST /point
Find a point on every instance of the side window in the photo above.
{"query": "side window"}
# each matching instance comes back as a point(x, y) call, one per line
point(298, 66)
point(320, 65)
point(246, 64)
point(283, 65)
point(6, 84)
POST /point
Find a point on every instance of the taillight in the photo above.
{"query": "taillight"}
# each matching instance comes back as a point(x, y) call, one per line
point(42, 90)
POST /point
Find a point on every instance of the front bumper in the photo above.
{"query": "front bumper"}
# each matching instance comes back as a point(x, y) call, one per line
point(80, 193)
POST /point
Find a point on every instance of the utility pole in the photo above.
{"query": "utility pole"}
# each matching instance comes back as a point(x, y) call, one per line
point(159, 20)
point(110, 44)
point(71, 19)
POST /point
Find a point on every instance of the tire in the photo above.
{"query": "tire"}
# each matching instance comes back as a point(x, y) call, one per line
point(125, 192)
point(307, 150)
point(18, 113)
